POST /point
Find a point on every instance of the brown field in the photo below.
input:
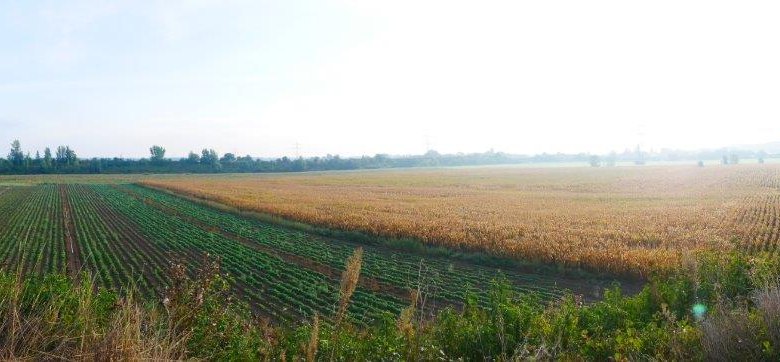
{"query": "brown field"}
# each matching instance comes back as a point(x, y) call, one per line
point(626, 220)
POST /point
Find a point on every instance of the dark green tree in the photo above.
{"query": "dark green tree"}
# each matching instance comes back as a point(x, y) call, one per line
point(299, 164)
point(246, 159)
point(228, 158)
point(210, 157)
point(47, 161)
point(16, 156)
point(70, 157)
point(61, 157)
point(96, 166)
point(158, 154)
point(193, 158)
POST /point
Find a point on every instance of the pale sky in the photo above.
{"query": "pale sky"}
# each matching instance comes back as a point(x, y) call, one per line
point(365, 77)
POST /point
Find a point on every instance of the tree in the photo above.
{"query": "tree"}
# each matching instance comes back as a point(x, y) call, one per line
point(733, 159)
point(246, 159)
point(96, 165)
point(47, 158)
point(210, 157)
point(595, 161)
point(639, 156)
point(16, 156)
point(612, 159)
point(66, 156)
point(193, 158)
point(299, 164)
point(761, 156)
point(158, 154)
point(70, 157)
point(61, 156)
point(228, 158)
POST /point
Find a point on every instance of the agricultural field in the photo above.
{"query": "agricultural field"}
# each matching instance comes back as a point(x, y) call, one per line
point(629, 221)
point(127, 235)
point(445, 232)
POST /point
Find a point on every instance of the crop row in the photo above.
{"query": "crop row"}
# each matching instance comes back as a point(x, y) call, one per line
point(626, 221)
point(271, 285)
point(758, 222)
point(31, 234)
point(130, 235)
point(111, 252)
point(448, 280)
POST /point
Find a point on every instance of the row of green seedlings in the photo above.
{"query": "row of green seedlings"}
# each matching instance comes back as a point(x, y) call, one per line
point(360, 296)
point(331, 252)
point(406, 267)
point(280, 289)
point(399, 271)
point(397, 268)
point(113, 257)
point(31, 233)
point(280, 239)
point(99, 247)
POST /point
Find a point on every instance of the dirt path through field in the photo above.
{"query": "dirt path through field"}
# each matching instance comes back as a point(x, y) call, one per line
point(332, 273)
point(71, 249)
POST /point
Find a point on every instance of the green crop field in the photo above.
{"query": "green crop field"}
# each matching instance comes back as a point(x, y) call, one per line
point(124, 235)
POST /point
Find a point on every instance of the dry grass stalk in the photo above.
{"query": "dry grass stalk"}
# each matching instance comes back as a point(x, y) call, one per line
point(768, 303)
point(311, 348)
point(349, 281)
point(730, 335)
point(405, 321)
point(45, 335)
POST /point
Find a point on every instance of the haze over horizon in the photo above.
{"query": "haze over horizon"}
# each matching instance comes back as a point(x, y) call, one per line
point(355, 78)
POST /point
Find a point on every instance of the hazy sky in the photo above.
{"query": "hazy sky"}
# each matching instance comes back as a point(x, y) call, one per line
point(362, 77)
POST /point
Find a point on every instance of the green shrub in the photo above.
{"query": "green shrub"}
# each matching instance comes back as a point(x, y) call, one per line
point(199, 320)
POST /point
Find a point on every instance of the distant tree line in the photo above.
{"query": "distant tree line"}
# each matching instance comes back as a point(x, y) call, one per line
point(65, 160)
point(639, 157)
point(209, 161)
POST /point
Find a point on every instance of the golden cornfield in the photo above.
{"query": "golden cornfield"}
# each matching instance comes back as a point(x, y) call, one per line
point(626, 220)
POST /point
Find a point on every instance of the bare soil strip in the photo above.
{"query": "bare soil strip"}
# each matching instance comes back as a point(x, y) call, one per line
point(332, 273)
point(71, 249)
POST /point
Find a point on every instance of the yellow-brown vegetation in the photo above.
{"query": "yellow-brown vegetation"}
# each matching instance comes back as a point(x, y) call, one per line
point(630, 220)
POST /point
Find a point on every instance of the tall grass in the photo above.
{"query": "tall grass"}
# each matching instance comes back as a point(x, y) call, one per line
point(54, 317)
